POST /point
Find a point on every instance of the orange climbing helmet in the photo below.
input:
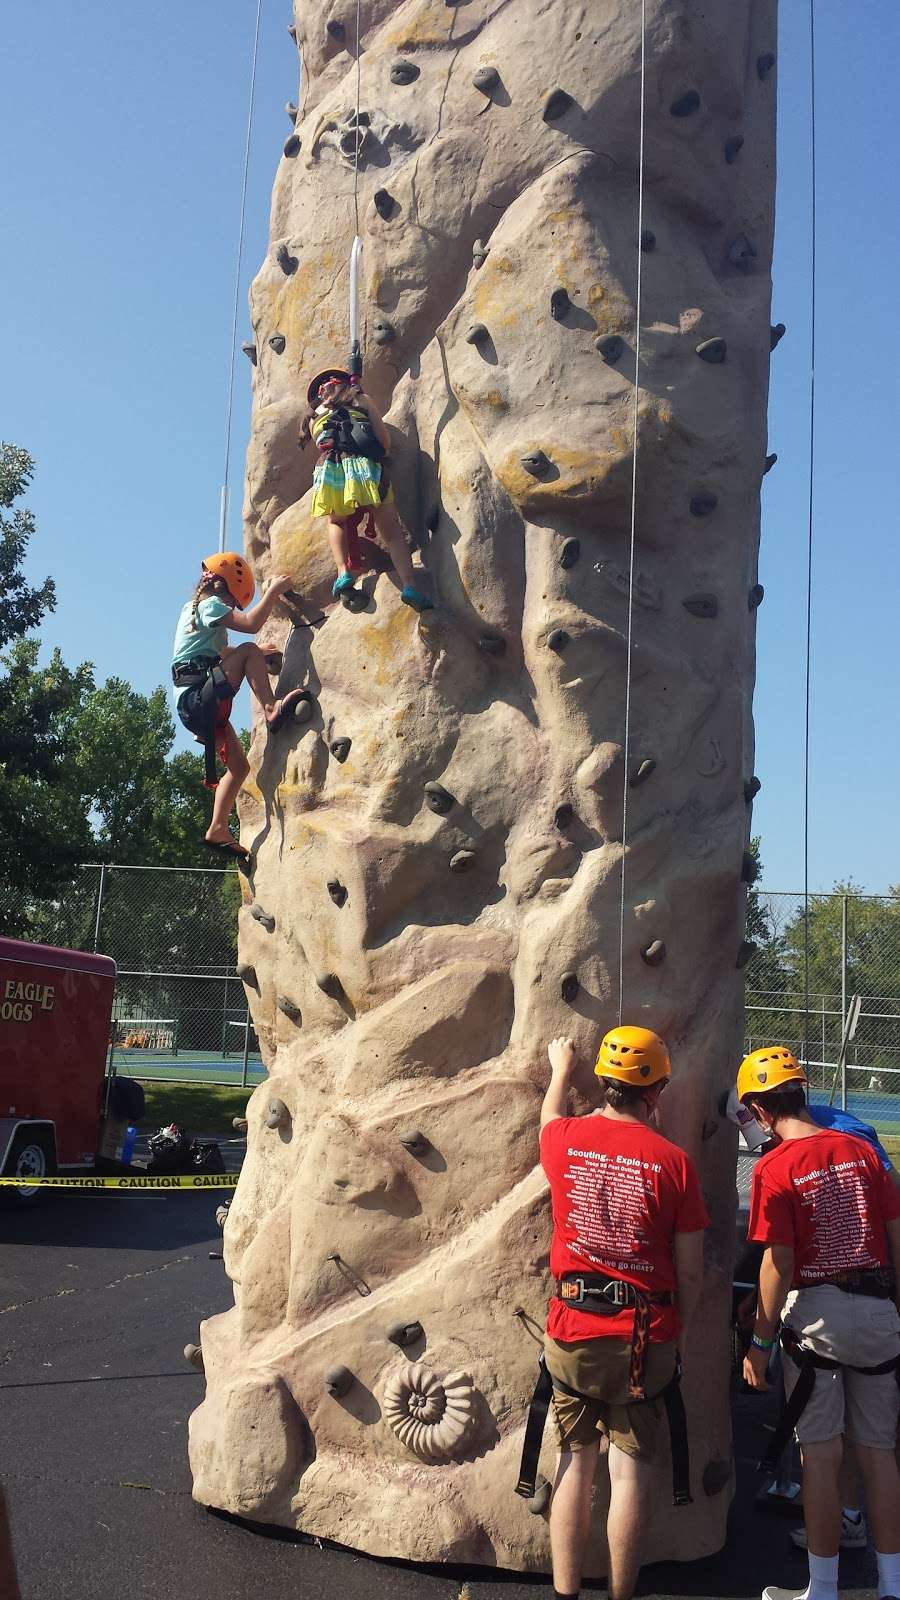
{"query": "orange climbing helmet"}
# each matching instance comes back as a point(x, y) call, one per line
point(312, 393)
point(767, 1069)
point(633, 1055)
point(234, 571)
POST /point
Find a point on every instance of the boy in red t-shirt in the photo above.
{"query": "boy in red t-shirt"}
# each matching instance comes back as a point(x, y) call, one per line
point(628, 1221)
point(829, 1216)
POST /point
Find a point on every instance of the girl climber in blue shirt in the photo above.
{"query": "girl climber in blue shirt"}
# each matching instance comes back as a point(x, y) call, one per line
point(207, 673)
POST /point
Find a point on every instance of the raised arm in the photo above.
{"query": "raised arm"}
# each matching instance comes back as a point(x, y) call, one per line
point(563, 1060)
point(251, 620)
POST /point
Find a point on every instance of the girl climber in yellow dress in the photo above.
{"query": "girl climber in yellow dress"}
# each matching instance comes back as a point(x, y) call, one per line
point(352, 475)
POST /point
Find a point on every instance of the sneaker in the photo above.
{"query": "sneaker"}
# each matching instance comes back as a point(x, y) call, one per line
point(342, 584)
point(854, 1535)
point(414, 597)
point(772, 1592)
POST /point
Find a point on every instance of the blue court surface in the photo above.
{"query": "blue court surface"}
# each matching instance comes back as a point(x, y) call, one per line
point(188, 1066)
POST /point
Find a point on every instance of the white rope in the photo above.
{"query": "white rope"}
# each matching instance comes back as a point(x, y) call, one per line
point(356, 155)
point(634, 458)
point(229, 406)
point(809, 537)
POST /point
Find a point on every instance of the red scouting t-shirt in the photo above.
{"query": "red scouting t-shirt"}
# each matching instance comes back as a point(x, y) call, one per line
point(828, 1197)
point(620, 1193)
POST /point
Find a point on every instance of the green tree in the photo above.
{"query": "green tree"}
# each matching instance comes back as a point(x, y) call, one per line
point(21, 606)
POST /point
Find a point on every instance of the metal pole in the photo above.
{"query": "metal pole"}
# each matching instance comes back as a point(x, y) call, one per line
point(246, 1050)
point(224, 500)
point(844, 995)
point(100, 888)
point(823, 1033)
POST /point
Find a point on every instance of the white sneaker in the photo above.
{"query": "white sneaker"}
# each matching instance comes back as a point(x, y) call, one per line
point(854, 1535)
point(774, 1593)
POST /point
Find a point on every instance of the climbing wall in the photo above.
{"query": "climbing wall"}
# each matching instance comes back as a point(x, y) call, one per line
point(438, 848)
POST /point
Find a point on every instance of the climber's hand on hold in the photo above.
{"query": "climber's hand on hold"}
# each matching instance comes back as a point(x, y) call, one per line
point(563, 1057)
point(280, 585)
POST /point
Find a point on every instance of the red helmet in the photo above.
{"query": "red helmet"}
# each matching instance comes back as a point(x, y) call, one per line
point(312, 393)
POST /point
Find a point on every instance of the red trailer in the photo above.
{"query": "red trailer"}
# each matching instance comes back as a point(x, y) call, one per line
point(55, 1010)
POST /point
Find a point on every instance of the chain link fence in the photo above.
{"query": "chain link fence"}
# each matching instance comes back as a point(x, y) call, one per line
point(180, 1011)
point(853, 946)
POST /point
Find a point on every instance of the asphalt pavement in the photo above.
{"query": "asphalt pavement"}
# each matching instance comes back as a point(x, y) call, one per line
point(98, 1296)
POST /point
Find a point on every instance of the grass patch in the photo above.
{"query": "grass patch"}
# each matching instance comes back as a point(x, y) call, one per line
point(196, 1107)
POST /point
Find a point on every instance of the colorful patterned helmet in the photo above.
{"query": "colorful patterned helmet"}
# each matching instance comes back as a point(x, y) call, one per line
point(234, 571)
point(633, 1055)
point(767, 1069)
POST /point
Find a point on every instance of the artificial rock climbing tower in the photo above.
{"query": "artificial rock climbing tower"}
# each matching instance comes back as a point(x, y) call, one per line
point(437, 851)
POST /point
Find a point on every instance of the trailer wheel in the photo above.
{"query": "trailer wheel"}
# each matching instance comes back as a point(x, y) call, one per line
point(33, 1155)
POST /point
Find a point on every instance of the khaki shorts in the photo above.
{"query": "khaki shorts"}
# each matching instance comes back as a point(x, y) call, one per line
point(598, 1368)
point(851, 1328)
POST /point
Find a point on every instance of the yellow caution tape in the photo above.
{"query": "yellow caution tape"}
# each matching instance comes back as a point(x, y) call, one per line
point(205, 1180)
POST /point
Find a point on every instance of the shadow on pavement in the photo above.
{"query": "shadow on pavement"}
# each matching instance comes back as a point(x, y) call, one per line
point(84, 1219)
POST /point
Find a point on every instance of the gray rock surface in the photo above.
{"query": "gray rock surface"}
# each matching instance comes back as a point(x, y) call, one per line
point(424, 1000)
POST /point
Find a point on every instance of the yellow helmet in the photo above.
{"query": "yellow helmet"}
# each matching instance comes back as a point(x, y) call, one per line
point(768, 1069)
point(633, 1055)
point(235, 573)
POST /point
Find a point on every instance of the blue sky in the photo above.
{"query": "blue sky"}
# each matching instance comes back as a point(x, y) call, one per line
point(123, 131)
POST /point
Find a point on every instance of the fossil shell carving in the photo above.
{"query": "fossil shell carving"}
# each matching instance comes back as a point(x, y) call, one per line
point(434, 1417)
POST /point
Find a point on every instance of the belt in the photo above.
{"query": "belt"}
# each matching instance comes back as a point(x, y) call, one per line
point(877, 1283)
point(587, 1289)
point(188, 674)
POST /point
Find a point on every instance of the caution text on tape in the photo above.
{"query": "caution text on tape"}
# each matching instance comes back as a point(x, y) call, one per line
point(200, 1180)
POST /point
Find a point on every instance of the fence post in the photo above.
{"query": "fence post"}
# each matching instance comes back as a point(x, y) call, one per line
point(246, 1050)
point(100, 888)
point(844, 996)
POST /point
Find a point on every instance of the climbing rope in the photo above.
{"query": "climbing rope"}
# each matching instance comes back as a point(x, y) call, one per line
point(634, 459)
point(809, 537)
point(356, 152)
point(229, 405)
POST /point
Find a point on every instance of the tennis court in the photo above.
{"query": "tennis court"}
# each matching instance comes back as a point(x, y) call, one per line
point(188, 1066)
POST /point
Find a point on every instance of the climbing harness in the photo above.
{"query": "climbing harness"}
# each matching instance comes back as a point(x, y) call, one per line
point(229, 406)
point(879, 1286)
point(634, 458)
point(214, 704)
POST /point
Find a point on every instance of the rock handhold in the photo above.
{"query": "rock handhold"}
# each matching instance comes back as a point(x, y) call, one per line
point(764, 65)
point(355, 600)
point(404, 72)
point(746, 953)
point(404, 1333)
point(569, 986)
point(338, 1381)
point(556, 104)
point(478, 334)
point(570, 553)
point(194, 1355)
point(439, 799)
point(769, 462)
point(384, 203)
point(264, 918)
point(480, 253)
point(749, 867)
point(486, 79)
point(611, 347)
point(492, 644)
point(752, 787)
point(713, 351)
point(340, 749)
point(290, 1009)
point(249, 350)
point(641, 773)
point(648, 241)
point(291, 28)
point(557, 640)
point(292, 110)
point(222, 1214)
point(716, 1476)
point(686, 104)
point(330, 984)
point(415, 1142)
point(538, 1502)
point(247, 975)
point(337, 892)
point(741, 253)
point(702, 605)
point(560, 304)
point(277, 1114)
point(239, 1124)
point(335, 28)
point(654, 954)
point(755, 597)
point(462, 861)
point(304, 708)
point(277, 342)
point(733, 147)
point(703, 504)
point(564, 816)
point(776, 334)
point(383, 332)
point(537, 463)
point(286, 261)
point(292, 145)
